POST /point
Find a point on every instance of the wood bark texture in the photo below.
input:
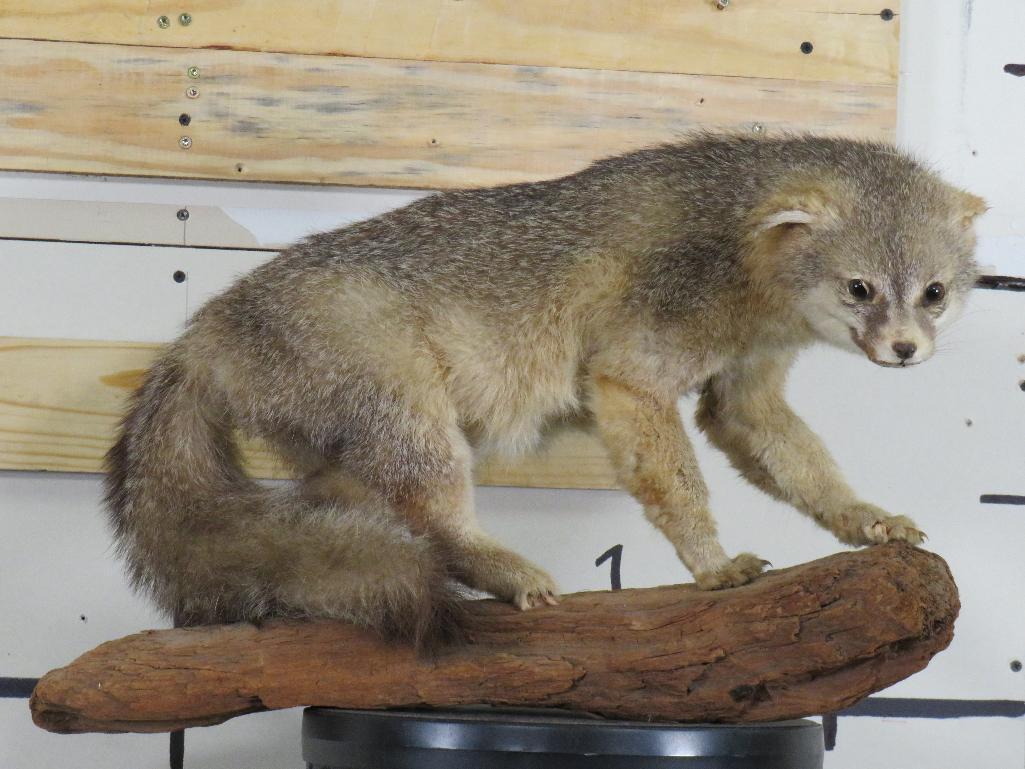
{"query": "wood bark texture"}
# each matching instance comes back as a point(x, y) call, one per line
point(801, 641)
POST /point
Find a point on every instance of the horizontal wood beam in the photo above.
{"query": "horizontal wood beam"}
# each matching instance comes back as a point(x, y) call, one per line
point(852, 41)
point(116, 109)
point(60, 401)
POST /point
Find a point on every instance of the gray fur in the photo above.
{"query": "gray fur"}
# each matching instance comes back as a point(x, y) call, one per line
point(377, 357)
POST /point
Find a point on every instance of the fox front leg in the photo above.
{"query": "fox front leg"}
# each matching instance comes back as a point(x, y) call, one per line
point(743, 413)
point(655, 462)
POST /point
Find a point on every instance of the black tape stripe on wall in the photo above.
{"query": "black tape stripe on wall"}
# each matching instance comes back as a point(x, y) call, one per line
point(1001, 283)
point(898, 707)
point(1002, 499)
point(17, 687)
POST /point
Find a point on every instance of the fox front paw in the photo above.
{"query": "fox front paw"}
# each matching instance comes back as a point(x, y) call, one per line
point(739, 571)
point(893, 528)
point(865, 524)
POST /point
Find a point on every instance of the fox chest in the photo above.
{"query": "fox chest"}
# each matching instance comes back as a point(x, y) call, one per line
point(507, 387)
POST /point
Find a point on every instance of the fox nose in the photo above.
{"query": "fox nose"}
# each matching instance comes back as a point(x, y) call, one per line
point(904, 350)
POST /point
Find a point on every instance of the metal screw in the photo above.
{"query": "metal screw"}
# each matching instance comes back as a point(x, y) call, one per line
point(192, 92)
point(185, 19)
point(1015, 666)
point(185, 142)
point(185, 118)
point(178, 276)
point(183, 214)
point(886, 14)
point(193, 72)
point(807, 47)
point(163, 22)
point(757, 128)
point(722, 4)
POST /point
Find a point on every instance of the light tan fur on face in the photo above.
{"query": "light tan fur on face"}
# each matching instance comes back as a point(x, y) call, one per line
point(382, 359)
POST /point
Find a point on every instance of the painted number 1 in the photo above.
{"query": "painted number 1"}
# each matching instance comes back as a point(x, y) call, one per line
point(616, 554)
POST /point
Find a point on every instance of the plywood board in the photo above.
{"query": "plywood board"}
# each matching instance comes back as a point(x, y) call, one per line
point(113, 109)
point(852, 41)
point(60, 401)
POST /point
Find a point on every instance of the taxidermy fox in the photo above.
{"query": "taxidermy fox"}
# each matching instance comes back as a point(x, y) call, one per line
point(382, 358)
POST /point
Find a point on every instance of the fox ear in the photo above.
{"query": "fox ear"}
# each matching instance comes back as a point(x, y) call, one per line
point(971, 206)
point(789, 217)
point(806, 206)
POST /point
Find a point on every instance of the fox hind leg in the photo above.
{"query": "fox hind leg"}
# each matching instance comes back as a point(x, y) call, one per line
point(424, 473)
point(443, 507)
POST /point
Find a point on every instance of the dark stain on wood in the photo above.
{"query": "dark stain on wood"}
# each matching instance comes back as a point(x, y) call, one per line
point(250, 126)
point(267, 101)
point(20, 107)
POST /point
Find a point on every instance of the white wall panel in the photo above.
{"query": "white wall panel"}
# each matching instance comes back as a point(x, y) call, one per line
point(82, 291)
point(926, 442)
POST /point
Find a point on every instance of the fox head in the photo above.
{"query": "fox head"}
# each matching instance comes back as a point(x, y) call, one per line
point(881, 260)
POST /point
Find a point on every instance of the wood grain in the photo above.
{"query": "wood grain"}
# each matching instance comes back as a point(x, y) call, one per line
point(811, 639)
point(114, 109)
point(60, 401)
point(752, 38)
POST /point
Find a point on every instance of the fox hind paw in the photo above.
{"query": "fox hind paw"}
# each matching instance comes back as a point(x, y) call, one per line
point(739, 571)
point(526, 600)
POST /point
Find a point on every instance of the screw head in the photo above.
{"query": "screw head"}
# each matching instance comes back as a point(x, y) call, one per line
point(163, 22)
point(886, 14)
point(185, 118)
point(192, 92)
point(722, 4)
point(1015, 666)
point(183, 214)
point(758, 128)
point(807, 47)
point(185, 19)
point(178, 276)
point(193, 72)
point(185, 142)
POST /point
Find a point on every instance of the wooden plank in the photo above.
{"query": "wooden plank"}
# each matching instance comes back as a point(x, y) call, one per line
point(751, 38)
point(76, 107)
point(60, 401)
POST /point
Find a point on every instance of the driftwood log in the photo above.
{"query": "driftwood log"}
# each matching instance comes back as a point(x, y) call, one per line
point(810, 639)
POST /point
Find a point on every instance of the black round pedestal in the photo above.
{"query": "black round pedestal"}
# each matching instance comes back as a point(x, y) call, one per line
point(356, 739)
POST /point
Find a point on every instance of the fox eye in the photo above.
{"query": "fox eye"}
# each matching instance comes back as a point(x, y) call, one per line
point(860, 290)
point(934, 292)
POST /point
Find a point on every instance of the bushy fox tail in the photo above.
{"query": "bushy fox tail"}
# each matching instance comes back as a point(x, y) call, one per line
point(209, 544)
